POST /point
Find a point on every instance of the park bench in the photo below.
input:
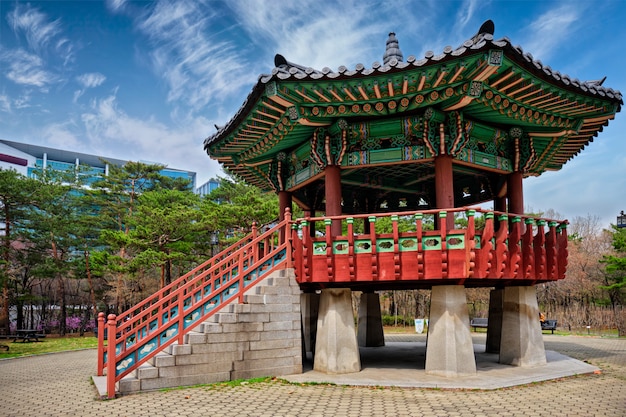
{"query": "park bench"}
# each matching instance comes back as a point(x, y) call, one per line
point(27, 335)
point(548, 325)
point(479, 322)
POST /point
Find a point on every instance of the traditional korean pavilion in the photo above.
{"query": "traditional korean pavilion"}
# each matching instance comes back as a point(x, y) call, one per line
point(392, 166)
point(415, 136)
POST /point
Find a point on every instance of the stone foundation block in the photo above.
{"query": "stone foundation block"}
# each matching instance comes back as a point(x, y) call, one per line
point(243, 327)
point(202, 358)
point(129, 384)
point(179, 349)
point(264, 363)
point(147, 371)
point(233, 337)
point(272, 344)
point(183, 381)
point(272, 371)
point(220, 347)
point(281, 325)
point(290, 352)
point(162, 359)
point(196, 369)
point(253, 317)
point(195, 338)
point(208, 327)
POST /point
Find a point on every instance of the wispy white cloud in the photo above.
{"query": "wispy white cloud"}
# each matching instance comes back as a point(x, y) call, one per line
point(91, 80)
point(115, 5)
point(111, 132)
point(466, 12)
point(63, 135)
point(551, 29)
point(314, 35)
point(28, 69)
point(198, 65)
point(38, 30)
point(88, 80)
point(5, 103)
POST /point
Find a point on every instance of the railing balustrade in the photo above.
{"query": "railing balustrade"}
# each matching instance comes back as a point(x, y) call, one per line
point(164, 318)
point(414, 246)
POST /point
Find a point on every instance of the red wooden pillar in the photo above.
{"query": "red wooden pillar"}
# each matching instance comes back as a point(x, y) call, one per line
point(444, 187)
point(333, 196)
point(499, 204)
point(284, 202)
point(515, 193)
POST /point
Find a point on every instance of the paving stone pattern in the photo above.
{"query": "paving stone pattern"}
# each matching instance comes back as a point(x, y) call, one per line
point(59, 385)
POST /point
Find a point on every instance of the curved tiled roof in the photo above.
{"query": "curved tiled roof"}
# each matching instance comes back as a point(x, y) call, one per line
point(483, 40)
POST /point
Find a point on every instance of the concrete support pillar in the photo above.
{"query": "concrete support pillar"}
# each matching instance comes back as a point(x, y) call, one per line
point(494, 327)
point(370, 330)
point(449, 349)
point(522, 341)
point(444, 186)
point(332, 184)
point(309, 307)
point(336, 348)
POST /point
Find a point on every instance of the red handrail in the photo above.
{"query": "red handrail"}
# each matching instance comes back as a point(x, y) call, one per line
point(144, 330)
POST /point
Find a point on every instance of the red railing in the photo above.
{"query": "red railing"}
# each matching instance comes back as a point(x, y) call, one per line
point(164, 318)
point(416, 246)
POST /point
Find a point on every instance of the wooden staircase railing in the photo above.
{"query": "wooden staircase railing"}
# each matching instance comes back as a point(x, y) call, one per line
point(164, 318)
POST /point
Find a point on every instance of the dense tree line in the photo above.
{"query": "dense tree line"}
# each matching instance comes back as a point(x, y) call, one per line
point(73, 245)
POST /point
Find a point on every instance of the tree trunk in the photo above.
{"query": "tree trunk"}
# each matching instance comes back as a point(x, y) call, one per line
point(92, 293)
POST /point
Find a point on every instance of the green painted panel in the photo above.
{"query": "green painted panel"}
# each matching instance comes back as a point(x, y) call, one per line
point(407, 244)
point(384, 245)
point(431, 243)
point(340, 247)
point(455, 241)
point(362, 246)
point(303, 175)
point(319, 248)
point(385, 155)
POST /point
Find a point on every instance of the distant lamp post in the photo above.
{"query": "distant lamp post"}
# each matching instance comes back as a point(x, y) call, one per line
point(621, 219)
point(214, 242)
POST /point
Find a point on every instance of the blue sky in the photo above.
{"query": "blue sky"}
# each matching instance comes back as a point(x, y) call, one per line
point(148, 80)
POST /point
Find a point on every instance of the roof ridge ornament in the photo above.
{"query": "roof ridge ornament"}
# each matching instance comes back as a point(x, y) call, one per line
point(487, 28)
point(392, 49)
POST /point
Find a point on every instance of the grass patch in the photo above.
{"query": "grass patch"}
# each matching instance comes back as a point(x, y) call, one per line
point(50, 344)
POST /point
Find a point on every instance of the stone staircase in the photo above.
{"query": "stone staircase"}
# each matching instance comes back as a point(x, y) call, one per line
point(260, 337)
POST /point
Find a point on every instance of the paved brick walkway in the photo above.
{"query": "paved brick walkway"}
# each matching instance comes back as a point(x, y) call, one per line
point(59, 385)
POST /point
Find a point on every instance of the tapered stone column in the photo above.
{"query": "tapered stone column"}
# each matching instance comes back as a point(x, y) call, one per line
point(370, 331)
point(336, 348)
point(449, 349)
point(522, 341)
point(494, 326)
